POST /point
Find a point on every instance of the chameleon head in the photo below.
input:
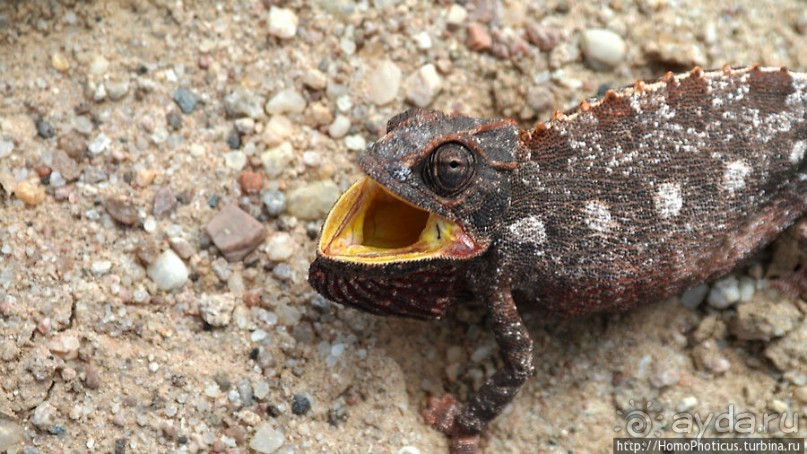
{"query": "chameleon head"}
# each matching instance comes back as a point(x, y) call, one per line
point(398, 240)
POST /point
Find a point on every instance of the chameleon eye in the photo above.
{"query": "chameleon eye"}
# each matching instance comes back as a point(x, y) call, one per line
point(449, 169)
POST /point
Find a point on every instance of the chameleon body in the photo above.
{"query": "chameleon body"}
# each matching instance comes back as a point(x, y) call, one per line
point(629, 199)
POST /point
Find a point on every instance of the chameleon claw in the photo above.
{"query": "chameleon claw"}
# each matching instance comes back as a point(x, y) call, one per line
point(441, 414)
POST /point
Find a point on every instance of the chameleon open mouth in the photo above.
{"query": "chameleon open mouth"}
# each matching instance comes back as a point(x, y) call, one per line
point(369, 224)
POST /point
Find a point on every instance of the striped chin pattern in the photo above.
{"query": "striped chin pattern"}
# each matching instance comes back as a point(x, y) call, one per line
point(417, 292)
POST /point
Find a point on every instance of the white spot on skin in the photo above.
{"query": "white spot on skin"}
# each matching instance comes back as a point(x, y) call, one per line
point(668, 200)
point(401, 173)
point(797, 153)
point(598, 217)
point(734, 176)
point(530, 229)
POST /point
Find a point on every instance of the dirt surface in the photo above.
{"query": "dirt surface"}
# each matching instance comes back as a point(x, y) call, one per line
point(126, 126)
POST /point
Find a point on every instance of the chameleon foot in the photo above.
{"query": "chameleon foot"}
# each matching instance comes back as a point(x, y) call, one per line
point(441, 414)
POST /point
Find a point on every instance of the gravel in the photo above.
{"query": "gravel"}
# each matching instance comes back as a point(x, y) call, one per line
point(275, 202)
point(724, 293)
point(282, 22)
point(300, 404)
point(284, 102)
point(603, 49)
point(339, 127)
point(280, 247)
point(235, 232)
point(217, 356)
point(423, 85)
point(217, 310)
point(312, 201)
point(383, 83)
point(243, 102)
point(168, 271)
point(276, 159)
point(185, 99)
point(267, 439)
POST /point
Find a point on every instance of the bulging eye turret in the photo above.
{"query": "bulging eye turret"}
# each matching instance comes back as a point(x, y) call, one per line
point(449, 169)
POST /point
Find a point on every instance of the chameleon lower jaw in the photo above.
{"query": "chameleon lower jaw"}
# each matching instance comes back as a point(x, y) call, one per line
point(369, 224)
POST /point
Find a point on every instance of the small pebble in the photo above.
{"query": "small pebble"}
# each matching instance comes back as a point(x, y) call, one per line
point(282, 272)
point(724, 293)
point(244, 103)
point(540, 98)
point(423, 40)
point(282, 22)
point(276, 130)
point(477, 37)
point(266, 439)
point(687, 403)
point(168, 271)
point(44, 417)
point(602, 49)
point(275, 160)
point(693, 297)
point(60, 63)
point(251, 182)
point(44, 128)
point(408, 450)
point(65, 165)
point(300, 404)
point(383, 83)
point(235, 160)
point(285, 101)
point(339, 127)
point(275, 202)
point(164, 202)
point(233, 140)
point(312, 159)
point(235, 233)
point(182, 247)
point(456, 15)
point(173, 120)
point(101, 267)
point(100, 144)
point(65, 344)
point(121, 211)
point(779, 406)
point(315, 79)
point(544, 38)
point(747, 288)
point(30, 192)
point(92, 379)
point(98, 65)
point(185, 99)
point(245, 125)
point(313, 201)
point(423, 85)
point(280, 247)
point(217, 309)
point(355, 142)
point(117, 87)
point(344, 103)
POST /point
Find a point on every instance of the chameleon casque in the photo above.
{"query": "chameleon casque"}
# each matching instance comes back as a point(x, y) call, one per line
point(627, 200)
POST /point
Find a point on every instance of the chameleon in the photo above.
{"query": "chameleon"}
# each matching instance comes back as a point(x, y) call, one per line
point(628, 199)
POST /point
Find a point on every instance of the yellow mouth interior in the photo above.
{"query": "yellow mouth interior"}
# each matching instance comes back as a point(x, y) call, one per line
point(369, 224)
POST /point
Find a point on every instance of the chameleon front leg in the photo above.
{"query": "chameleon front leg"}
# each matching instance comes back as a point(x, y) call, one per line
point(464, 423)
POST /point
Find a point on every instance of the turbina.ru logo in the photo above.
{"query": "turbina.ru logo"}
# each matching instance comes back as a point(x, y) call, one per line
point(639, 422)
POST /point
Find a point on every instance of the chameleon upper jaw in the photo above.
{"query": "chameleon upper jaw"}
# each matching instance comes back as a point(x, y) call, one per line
point(369, 224)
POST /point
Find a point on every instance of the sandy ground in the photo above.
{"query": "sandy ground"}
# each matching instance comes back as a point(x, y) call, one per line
point(96, 356)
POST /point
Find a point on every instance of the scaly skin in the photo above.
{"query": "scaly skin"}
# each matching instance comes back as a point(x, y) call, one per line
point(627, 200)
